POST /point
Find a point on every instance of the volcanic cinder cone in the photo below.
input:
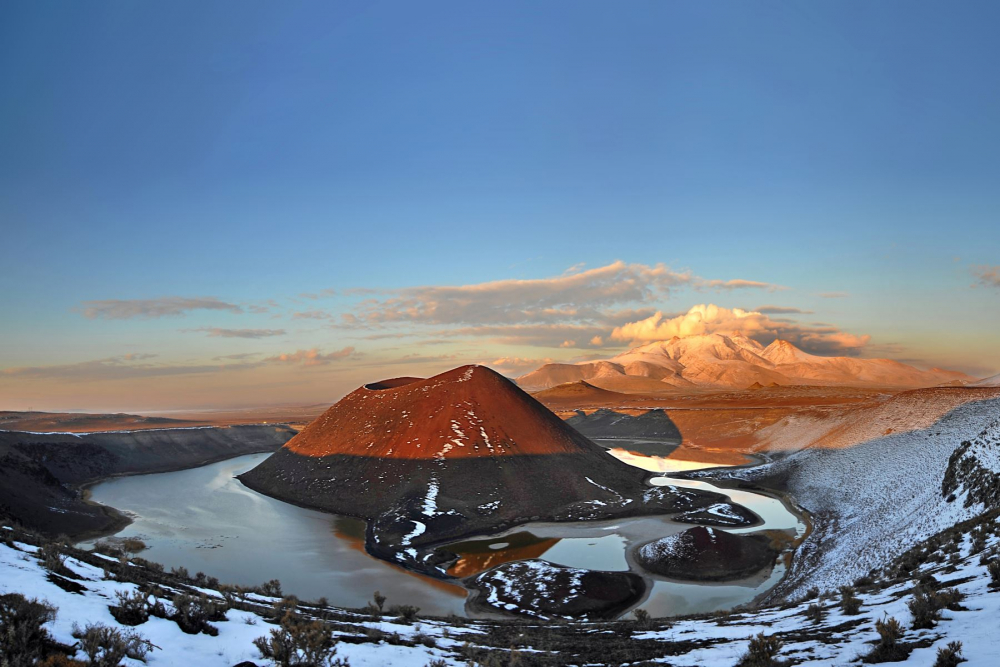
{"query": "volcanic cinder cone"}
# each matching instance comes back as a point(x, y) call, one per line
point(459, 454)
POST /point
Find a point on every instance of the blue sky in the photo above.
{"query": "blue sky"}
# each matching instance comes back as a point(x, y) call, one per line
point(252, 151)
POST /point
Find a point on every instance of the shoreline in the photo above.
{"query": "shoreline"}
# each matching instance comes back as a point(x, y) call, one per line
point(120, 519)
point(784, 497)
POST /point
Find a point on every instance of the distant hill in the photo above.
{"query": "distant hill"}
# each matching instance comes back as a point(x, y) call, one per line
point(992, 381)
point(575, 394)
point(719, 361)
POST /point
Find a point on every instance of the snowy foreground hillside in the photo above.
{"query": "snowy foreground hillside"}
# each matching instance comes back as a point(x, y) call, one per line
point(817, 631)
point(903, 562)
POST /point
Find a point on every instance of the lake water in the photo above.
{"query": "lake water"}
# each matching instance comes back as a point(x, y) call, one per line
point(205, 520)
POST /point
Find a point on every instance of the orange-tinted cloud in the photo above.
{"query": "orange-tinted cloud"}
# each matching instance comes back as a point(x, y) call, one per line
point(987, 276)
point(516, 365)
point(709, 318)
point(313, 357)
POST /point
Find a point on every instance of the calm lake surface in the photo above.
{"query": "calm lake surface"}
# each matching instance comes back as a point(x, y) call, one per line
point(205, 520)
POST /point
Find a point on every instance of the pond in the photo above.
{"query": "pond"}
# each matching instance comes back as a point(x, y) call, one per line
point(205, 520)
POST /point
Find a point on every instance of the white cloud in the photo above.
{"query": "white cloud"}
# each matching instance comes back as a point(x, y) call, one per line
point(709, 318)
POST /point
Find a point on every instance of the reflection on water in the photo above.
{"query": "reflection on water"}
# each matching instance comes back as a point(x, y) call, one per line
point(657, 463)
point(609, 545)
point(477, 556)
point(206, 521)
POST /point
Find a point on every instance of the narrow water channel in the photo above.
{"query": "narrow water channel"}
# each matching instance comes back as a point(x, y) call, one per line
point(205, 520)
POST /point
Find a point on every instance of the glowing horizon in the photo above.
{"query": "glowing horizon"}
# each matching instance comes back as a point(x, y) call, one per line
point(307, 199)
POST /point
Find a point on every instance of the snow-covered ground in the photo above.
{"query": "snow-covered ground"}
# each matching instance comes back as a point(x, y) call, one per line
point(21, 572)
point(838, 639)
point(874, 500)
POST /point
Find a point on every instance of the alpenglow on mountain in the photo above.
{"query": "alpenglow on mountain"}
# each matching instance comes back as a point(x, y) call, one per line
point(734, 362)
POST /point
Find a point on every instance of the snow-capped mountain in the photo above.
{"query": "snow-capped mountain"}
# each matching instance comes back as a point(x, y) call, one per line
point(736, 361)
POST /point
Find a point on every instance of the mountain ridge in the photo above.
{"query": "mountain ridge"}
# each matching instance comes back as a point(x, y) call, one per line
point(737, 361)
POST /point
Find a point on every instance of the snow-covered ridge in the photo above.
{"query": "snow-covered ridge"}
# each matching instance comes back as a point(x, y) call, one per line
point(872, 501)
point(736, 361)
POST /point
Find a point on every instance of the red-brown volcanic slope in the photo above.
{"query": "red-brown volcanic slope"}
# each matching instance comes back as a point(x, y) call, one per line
point(472, 412)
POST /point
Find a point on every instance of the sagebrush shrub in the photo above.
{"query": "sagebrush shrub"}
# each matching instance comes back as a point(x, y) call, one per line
point(105, 646)
point(926, 609)
point(192, 614)
point(299, 642)
point(994, 570)
point(132, 608)
point(950, 655)
point(406, 612)
point(889, 648)
point(815, 613)
point(23, 638)
point(850, 604)
point(53, 560)
point(271, 589)
point(761, 652)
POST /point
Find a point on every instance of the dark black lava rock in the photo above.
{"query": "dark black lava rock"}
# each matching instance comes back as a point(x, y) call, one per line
point(707, 554)
point(540, 589)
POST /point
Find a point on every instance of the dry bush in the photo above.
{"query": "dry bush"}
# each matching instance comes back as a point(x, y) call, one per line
point(994, 570)
point(132, 608)
point(889, 648)
point(850, 604)
point(53, 560)
point(300, 643)
point(106, 646)
point(761, 652)
point(22, 636)
point(642, 619)
point(815, 613)
point(271, 589)
point(950, 655)
point(133, 545)
point(192, 614)
point(925, 608)
point(407, 613)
